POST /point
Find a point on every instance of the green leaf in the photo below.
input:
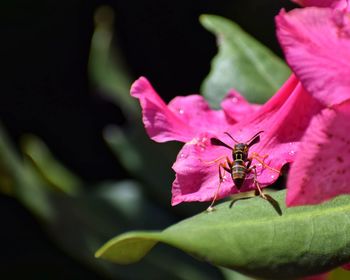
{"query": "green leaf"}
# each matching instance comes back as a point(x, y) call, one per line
point(242, 63)
point(252, 238)
point(233, 275)
point(106, 65)
point(48, 168)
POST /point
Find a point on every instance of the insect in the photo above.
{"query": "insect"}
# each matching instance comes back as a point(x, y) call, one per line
point(240, 165)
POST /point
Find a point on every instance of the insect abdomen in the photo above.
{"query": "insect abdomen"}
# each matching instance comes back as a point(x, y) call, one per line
point(238, 174)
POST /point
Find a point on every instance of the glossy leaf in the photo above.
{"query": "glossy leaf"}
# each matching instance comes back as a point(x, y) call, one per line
point(252, 238)
point(234, 275)
point(242, 63)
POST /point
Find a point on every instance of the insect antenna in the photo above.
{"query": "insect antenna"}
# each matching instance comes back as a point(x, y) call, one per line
point(229, 135)
point(255, 139)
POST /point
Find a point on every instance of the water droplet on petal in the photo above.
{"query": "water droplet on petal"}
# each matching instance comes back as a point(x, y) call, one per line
point(291, 153)
point(273, 176)
point(181, 111)
point(202, 143)
point(291, 144)
point(234, 99)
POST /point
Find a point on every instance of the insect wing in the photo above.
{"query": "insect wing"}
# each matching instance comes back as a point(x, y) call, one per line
point(255, 139)
point(217, 142)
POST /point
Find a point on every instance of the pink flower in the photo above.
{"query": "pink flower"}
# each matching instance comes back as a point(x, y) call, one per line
point(190, 120)
point(311, 121)
point(335, 4)
point(316, 42)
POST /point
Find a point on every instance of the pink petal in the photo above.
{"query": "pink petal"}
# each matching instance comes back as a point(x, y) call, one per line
point(316, 42)
point(161, 123)
point(323, 3)
point(196, 113)
point(322, 168)
point(197, 175)
point(346, 266)
point(181, 120)
point(236, 107)
point(283, 119)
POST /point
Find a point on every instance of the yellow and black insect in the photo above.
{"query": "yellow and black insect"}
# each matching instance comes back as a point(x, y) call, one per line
point(240, 165)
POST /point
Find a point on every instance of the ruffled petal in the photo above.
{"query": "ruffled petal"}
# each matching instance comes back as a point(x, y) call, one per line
point(197, 172)
point(236, 107)
point(322, 168)
point(196, 113)
point(182, 119)
point(160, 122)
point(316, 43)
point(284, 119)
point(334, 4)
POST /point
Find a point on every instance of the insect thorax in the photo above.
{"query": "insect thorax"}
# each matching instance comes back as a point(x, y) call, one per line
point(240, 152)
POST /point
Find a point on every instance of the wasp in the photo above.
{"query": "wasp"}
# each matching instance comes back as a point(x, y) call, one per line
point(240, 165)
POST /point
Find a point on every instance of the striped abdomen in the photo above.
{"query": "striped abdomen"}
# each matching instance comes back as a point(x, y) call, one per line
point(239, 172)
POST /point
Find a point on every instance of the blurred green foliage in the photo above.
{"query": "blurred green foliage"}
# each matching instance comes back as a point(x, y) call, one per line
point(107, 69)
point(80, 220)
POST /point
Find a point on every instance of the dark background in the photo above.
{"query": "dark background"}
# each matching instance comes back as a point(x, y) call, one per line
point(45, 90)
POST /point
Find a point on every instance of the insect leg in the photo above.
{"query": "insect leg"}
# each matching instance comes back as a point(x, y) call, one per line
point(256, 182)
point(261, 159)
point(249, 162)
point(213, 161)
point(222, 168)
